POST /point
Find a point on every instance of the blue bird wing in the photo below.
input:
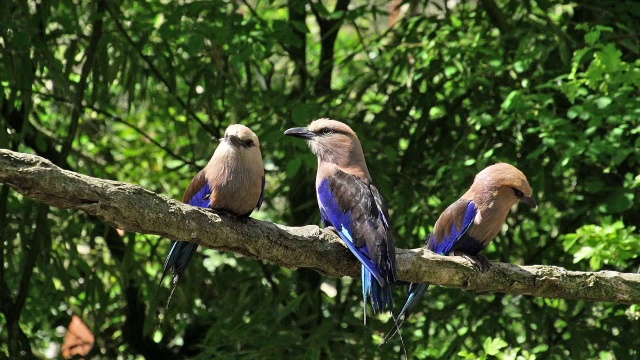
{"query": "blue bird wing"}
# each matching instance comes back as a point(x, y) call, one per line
point(452, 226)
point(355, 208)
point(197, 194)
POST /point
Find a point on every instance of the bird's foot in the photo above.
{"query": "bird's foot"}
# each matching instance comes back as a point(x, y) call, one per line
point(480, 262)
point(243, 218)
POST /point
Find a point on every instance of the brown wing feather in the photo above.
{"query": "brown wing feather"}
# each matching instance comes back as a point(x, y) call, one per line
point(196, 185)
point(452, 215)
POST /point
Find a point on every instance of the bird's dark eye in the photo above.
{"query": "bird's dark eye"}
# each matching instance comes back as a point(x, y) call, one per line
point(326, 131)
point(519, 194)
point(248, 143)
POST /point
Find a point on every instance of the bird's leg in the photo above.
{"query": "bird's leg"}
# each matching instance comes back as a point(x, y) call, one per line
point(480, 262)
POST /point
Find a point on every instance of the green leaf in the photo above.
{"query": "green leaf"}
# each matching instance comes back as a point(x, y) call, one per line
point(509, 101)
point(603, 102)
point(492, 347)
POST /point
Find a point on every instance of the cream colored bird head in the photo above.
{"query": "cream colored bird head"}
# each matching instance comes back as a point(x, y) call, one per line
point(502, 183)
point(239, 147)
point(333, 142)
point(241, 136)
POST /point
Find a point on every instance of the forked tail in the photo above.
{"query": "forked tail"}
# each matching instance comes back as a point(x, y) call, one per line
point(177, 260)
point(416, 292)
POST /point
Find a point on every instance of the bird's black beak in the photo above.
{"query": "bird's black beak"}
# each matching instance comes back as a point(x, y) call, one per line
point(301, 132)
point(234, 140)
point(530, 201)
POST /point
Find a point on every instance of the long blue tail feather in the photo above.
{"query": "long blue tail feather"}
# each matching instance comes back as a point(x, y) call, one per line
point(177, 261)
point(416, 292)
point(381, 297)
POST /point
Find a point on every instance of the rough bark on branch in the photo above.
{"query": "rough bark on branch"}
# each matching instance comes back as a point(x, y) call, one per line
point(134, 208)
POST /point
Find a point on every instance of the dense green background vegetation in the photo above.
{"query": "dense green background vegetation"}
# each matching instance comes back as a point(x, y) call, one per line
point(138, 92)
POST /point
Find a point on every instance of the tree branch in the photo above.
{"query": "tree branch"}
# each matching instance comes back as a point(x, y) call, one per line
point(134, 208)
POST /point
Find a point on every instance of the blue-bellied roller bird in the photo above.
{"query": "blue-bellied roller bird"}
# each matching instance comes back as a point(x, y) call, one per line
point(468, 225)
point(232, 182)
point(352, 205)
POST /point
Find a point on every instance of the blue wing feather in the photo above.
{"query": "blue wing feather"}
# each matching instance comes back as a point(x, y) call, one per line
point(442, 243)
point(356, 210)
point(341, 220)
point(452, 235)
point(197, 194)
point(182, 251)
point(202, 198)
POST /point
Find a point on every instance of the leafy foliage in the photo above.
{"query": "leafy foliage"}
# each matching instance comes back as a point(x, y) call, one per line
point(608, 243)
point(138, 92)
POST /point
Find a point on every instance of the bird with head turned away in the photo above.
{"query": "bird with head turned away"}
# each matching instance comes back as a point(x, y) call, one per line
point(232, 182)
point(468, 225)
point(351, 204)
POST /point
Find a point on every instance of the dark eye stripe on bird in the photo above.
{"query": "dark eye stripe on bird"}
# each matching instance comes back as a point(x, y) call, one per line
point(330, 131)
point(470, 223)
point(248, 143)
point(350, 203)
point(519, 194)
point(233, 181)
